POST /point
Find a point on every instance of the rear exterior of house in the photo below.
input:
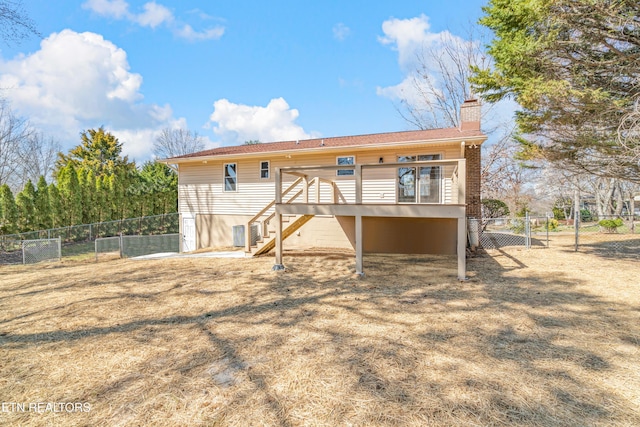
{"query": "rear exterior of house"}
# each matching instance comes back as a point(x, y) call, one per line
point(420, 176)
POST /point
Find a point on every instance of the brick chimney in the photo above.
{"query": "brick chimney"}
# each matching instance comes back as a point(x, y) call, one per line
point(470, 120)
point(470, 115)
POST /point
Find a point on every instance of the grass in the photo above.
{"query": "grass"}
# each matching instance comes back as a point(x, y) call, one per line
point(538, 337)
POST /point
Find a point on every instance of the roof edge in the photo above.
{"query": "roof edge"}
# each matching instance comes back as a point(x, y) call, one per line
point(477, 139)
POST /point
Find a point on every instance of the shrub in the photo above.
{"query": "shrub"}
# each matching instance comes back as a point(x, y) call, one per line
point(552, 224)
point(610, 225)
point(585, 215)
point(558, 213)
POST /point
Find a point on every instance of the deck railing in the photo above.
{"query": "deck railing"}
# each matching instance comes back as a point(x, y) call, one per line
point(310, 178)
point(454, 170)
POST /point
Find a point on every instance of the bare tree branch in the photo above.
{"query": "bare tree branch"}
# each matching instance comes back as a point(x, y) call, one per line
point(15, 25)
point(177, 142)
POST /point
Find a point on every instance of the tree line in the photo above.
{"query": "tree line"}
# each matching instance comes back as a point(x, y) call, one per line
point(92, 183)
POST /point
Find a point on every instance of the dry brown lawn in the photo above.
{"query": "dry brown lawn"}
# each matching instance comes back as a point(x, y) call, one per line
point(537, 337)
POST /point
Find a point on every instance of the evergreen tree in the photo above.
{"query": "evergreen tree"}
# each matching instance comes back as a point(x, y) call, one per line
point(25, 201)
point(102, 212)
point(573, 68)
point(42, 206)
point(162, 183)
point(90, 198)
point(8, 211)
point(99, 151)
point(70, 196)
point(99, 159)
point(55, 205)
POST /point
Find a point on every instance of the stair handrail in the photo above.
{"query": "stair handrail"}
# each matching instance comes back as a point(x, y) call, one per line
point(247, 234)
point(270, 217)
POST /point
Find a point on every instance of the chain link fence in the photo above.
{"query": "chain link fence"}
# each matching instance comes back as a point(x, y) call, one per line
point(133, 246)
point(493, 233)
point(613, 235)
point(108, 247)
point(80, 239)
point(34, 251)
point(610, 236)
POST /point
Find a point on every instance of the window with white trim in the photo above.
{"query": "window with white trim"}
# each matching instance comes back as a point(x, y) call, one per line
point(230, 176)
point(264, 169)
point(345, 160)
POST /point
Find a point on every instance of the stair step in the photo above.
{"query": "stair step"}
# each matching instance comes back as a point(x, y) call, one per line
point(286, 232)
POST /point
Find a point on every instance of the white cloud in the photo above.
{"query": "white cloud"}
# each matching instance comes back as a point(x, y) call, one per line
point(187, 32)
point(341, 31)
point(153, 15)
point(78, 81)
point(409, 90)
point(118, 9)
point(237, 123)
point(408, 36)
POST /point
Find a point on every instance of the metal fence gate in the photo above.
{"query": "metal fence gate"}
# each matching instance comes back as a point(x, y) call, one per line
point(39, 250)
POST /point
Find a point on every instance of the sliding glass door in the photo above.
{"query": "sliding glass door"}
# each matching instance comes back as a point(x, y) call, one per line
point(421, 184)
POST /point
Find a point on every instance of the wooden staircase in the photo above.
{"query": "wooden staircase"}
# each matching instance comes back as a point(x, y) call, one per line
point(268, 242)
point(298, 189)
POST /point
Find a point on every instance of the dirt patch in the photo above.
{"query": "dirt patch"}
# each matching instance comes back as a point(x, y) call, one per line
point(535, 337)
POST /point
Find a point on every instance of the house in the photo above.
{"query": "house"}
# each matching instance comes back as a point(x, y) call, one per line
point(398, 192)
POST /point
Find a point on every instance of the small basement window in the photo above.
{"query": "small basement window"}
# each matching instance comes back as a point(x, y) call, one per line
point(230, 176)
point(264, 169)
point(345, 160)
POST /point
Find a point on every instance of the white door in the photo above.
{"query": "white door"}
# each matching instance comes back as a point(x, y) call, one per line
point(188, 234)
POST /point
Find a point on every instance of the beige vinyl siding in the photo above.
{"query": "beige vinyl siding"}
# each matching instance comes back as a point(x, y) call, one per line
point(201, 184)
point(201, 189)
point(216, 231)
point(320, 232)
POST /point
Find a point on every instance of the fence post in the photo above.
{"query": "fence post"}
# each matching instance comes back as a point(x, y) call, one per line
point(527, 230)
point(24, 261)
point(547, 225)
point(576, 217)
point(59, 249)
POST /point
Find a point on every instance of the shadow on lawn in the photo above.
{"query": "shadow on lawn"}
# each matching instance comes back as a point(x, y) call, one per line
point(402, 337)
point(610, 248)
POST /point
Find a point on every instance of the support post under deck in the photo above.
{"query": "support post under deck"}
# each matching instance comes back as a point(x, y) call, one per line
point(462, 248)
point(359, 260)
point(278, 218)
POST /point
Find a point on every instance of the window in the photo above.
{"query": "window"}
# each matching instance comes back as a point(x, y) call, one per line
point(345, 160)
point(406, 181)
point(230, 176)
point(426, 185)
point(264, 170)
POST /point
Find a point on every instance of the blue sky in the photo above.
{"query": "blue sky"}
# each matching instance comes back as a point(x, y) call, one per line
point(229, 70)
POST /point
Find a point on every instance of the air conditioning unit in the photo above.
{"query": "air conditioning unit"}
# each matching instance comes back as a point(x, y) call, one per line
point(239, 236)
